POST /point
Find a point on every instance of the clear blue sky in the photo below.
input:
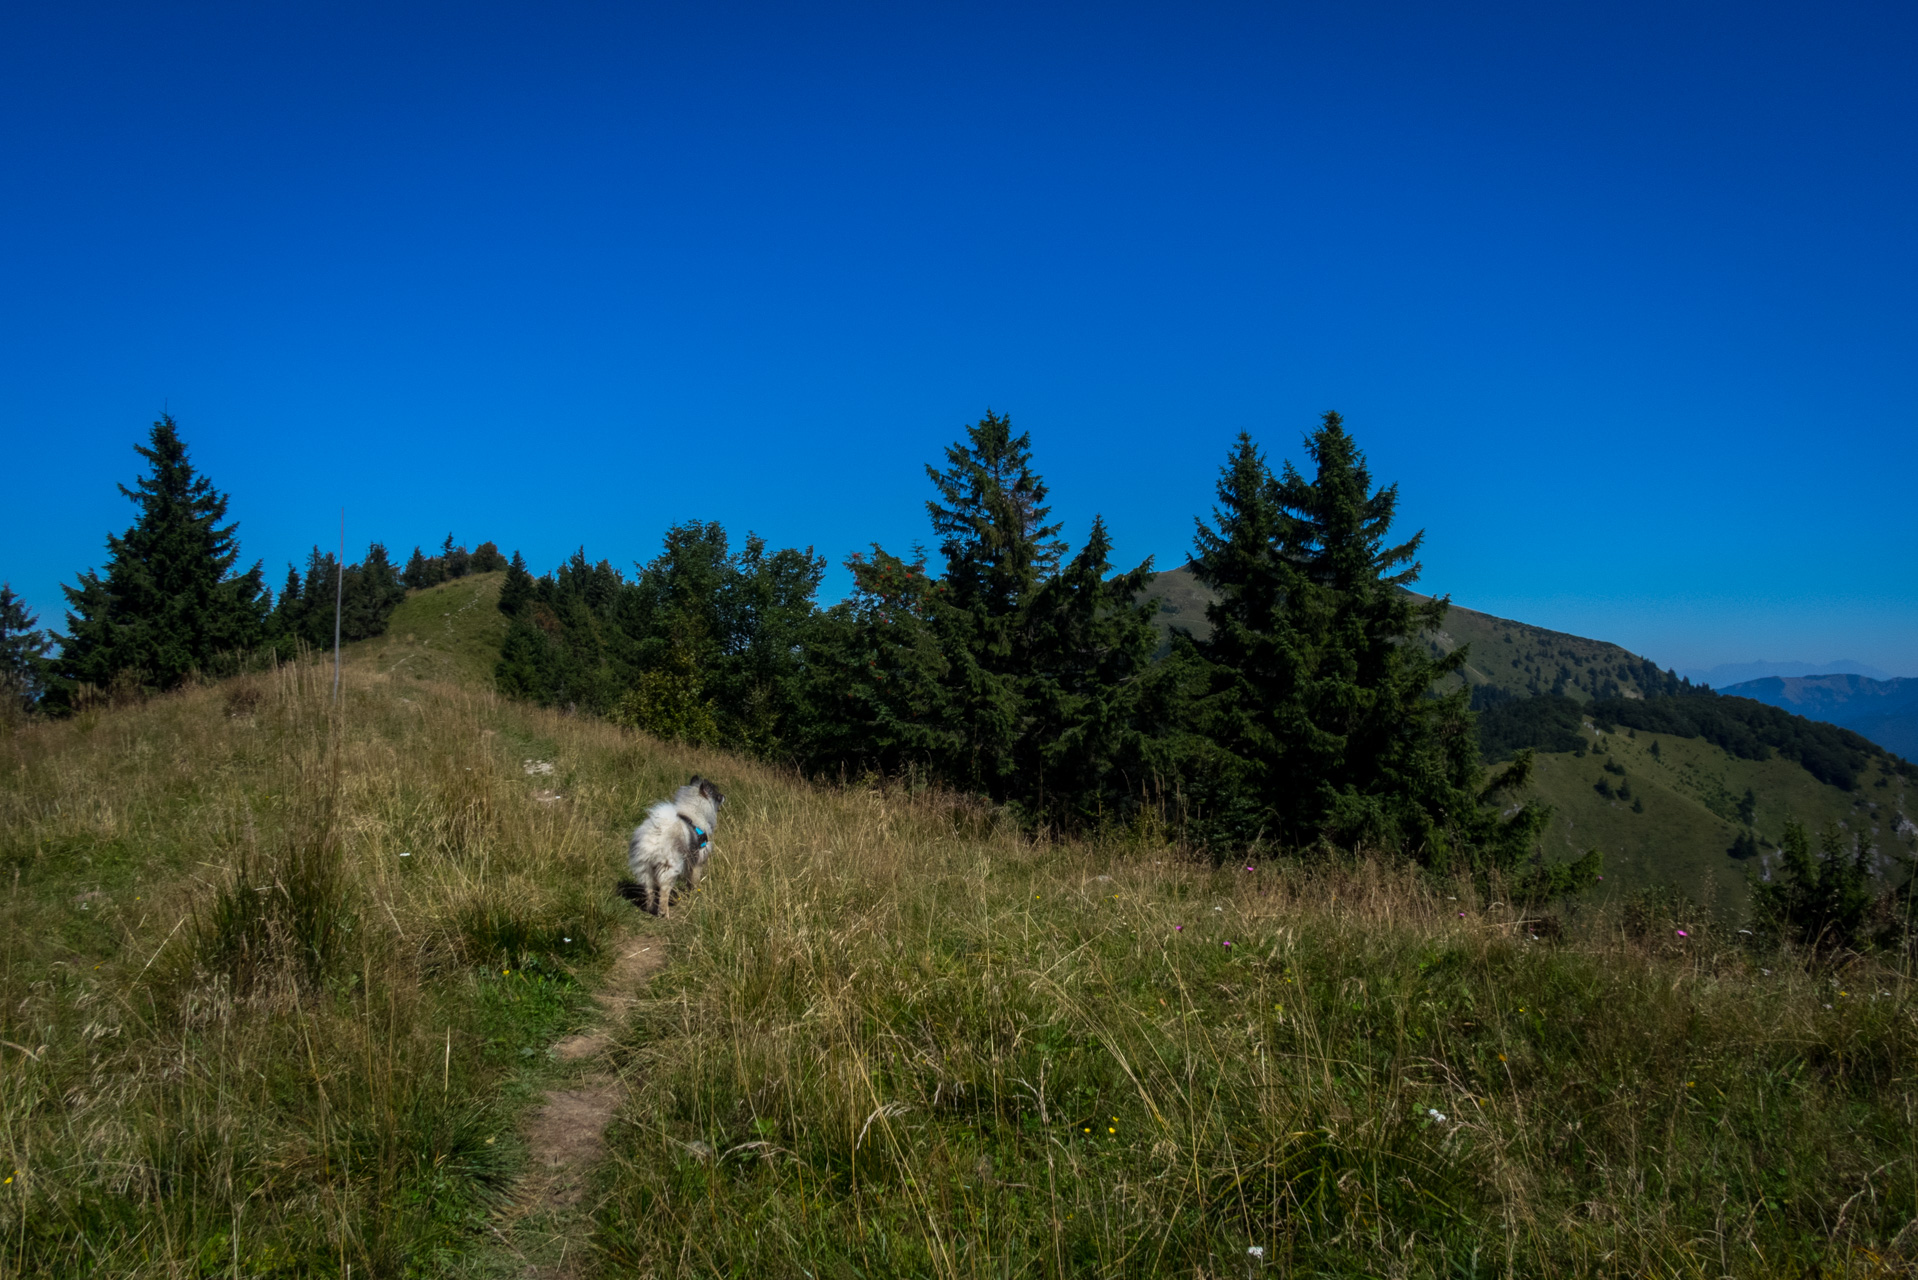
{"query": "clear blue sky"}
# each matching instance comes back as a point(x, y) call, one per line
point(1622, 296)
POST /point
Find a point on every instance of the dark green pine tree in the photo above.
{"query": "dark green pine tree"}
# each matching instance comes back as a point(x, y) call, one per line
point(875, 680)
point(286, 623)
point(1821, 900)
point(168, 600)
point(1321, 689)
point(1094, 706)
point(423, 572)
point(518, 587)
point(769, 623)
point(991, 519)
point(371, 594)
point(1253, 669)
point(23, 653)
point(454, 561)
point(305, 611)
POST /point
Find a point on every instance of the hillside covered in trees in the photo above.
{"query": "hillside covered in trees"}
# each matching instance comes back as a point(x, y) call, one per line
point(1886, 711)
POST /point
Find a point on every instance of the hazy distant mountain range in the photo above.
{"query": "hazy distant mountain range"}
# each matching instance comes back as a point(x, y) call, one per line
point(1886, 711)
point(1730, 673)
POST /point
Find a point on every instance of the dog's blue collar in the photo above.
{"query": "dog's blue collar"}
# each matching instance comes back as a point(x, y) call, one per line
point(697, 830)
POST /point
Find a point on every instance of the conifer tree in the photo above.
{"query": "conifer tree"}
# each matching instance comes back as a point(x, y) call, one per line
point(1014, 673)
point(284, 625)
point(876, 679)
point(1093, 704)
point(518, 587)
point(372, 591)
point(422, 571)
point(1252, 670)
point(454, 561)
point(1319, 690)
point(999, 550)
point(168, 600)
point(23, 653)
point(1820, 900)
point(308, 617)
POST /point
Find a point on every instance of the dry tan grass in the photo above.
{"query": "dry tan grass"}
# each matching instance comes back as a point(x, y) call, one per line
point(895, 1038)
point(899, 1039)
point(183, 1073)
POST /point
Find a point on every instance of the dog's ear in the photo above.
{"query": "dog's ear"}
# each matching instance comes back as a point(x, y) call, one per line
point(711, 792)
point(696, 781)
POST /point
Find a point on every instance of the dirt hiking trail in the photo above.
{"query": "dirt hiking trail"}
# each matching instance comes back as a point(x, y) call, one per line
point(547, 1228)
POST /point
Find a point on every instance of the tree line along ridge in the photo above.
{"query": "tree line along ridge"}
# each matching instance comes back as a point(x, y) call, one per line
point(1299, 715)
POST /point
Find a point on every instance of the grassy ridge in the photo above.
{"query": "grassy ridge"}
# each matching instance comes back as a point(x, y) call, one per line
point(895, 1038)
point(449, 632)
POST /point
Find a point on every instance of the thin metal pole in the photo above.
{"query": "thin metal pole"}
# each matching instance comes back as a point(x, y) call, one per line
point(339, 598)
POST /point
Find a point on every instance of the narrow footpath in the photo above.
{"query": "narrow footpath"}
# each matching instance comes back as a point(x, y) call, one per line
point(546, 1232)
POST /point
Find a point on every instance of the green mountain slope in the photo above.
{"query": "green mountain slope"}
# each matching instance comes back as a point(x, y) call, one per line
point(1689, 792)
point(1525, 661)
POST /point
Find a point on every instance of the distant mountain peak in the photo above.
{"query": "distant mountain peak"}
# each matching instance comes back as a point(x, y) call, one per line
point(1886, 711)
point(1730, 673)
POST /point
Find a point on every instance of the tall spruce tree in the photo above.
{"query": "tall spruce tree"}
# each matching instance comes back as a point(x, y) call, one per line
point(365, 595)
point(422, 571)
point(1015, 673)
point(284, 624)
point(1093, 704)
point(517, 589)
point(990, 516)
point(371, 594)
point(168, 600)
point(304, 613)
point(876, 680)
point(23, 653)
point(1319, 687)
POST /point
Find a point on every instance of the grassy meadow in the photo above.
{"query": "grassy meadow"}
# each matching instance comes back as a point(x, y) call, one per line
point(279, 984)
point(894, 1042)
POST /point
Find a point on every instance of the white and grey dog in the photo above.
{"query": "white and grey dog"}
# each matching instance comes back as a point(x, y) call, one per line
point(674, 841)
